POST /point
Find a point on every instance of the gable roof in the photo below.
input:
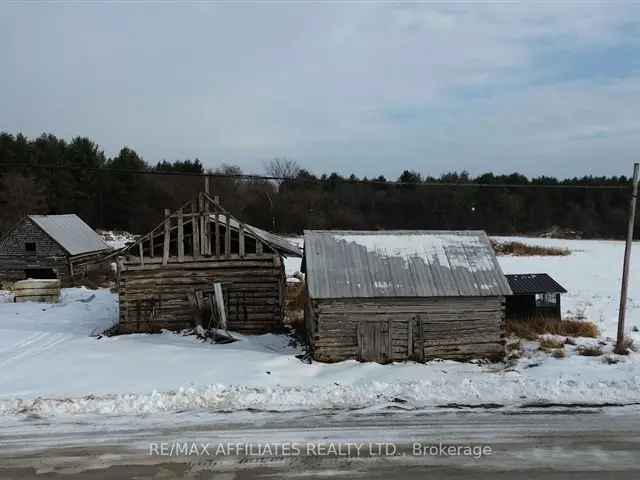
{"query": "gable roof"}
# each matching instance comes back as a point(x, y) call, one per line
point(70, 232)
point(278, 243)
point(401, 263)
point(530, 283)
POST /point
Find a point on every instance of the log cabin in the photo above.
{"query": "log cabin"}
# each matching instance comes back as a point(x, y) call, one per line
point(49, 247)
point(193, 247)
point(389, 296)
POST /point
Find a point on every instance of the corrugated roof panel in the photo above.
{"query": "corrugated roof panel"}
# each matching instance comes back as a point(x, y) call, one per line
point(422, 263)
point(71, 233)
point(527, 283)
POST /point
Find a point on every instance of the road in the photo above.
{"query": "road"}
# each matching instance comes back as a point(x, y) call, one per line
point(534, 444)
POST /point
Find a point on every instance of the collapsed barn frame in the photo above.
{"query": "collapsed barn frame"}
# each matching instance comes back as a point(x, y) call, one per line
point(193, 247)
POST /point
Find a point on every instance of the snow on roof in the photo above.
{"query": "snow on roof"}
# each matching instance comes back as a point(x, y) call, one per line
point(70, 232)
point(401, 263)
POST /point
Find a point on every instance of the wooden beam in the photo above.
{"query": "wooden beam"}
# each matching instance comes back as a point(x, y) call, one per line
point(217, 233)
point(258, 247)
point(150, 246)
point(201, 219)
point(140, 252)
point(227, 237)
point(180, 236)
point(167, 236)
point(195, 240)
point(241, 240)
point(206, 184)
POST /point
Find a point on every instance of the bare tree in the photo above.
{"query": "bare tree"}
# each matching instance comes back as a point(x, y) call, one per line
point(283, 168)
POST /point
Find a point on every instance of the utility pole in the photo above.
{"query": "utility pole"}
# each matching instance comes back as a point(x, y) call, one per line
point(620, 348)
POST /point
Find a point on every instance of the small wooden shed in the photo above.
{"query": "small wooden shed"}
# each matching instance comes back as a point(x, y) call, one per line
point(534, 295)
point(395, 295)
point(49, 247)
point(192, 248)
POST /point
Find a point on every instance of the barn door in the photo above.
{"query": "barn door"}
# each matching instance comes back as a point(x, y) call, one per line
point(415, 339)
point(373, 341)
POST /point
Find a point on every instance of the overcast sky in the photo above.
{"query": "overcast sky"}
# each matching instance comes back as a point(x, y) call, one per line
point(370, 88)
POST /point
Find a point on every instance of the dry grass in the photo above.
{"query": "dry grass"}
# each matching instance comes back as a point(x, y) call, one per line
point(585, 351)
point(523, 250)
point(531, 328)
point(294, 305)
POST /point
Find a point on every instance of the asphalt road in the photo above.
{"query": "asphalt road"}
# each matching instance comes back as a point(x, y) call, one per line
point(532, 444)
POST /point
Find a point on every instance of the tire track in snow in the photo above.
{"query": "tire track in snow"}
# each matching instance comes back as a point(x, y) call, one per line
point(24, 342)
point(35, 345)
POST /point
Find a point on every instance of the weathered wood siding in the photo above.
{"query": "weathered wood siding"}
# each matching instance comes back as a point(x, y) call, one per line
point(14, 259)
point(415, 328)
point(154, 296)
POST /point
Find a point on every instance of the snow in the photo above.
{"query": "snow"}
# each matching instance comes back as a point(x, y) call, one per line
point(116, 239)
point(53, 363)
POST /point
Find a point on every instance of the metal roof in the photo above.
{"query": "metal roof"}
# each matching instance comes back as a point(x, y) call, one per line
point(278, 243)
point(525, 283)
point(401, 263)
point(71, 233)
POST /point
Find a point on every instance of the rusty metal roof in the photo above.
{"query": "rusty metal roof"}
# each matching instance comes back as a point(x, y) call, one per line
point(71, 233)
point(401, 263)
point(530, 283)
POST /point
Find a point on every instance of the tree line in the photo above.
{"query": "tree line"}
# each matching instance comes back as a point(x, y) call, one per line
point(51, 175)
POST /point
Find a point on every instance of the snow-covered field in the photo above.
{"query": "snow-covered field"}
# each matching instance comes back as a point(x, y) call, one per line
point(53, 364)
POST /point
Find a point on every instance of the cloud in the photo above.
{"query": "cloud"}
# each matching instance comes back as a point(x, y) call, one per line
point(368, 88)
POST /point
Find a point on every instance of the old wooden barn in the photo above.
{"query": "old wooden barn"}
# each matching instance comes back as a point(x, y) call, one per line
point(194, 247)
point(49, 246)
point(396, 295)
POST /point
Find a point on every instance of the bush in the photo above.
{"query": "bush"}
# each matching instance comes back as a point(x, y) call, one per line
point(558, 354)
point(532, 327)
point(521, 249)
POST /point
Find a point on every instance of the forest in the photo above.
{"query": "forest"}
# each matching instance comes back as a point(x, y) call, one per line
point(51, 175)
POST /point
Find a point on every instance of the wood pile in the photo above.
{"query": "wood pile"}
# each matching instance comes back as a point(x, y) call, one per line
point(37, 290)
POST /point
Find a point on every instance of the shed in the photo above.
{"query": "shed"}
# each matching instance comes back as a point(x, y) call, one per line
point(49, 246)
point(396, 295)
point(534, 294)
point(192, 248)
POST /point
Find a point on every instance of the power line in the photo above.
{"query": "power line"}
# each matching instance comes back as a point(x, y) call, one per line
point(244, 176)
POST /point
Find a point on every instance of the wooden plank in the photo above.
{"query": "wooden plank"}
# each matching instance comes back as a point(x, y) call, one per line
point(217, 291)
point(259, 247)
point(167, 237)
point(141, 254)
point(410, 339)
point(150, 246)
point(180, 236)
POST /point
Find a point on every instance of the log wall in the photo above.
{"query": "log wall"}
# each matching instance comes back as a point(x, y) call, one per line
point(421, 329)
point(155, 296)
point(14, 259)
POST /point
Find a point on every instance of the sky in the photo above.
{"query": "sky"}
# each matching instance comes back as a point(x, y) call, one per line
point(541, 88)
